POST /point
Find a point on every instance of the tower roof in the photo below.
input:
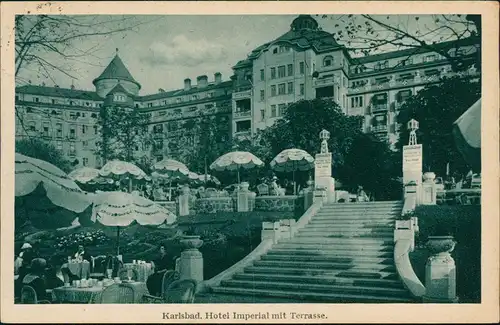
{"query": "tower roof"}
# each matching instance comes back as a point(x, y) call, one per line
point(116, 70)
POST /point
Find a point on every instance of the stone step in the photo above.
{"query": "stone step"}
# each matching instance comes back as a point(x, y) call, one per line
point(361, 206)
point(328, 258)
point(329, 233)
point(349, 224)
point(318, 279)
point(304, 251)
point(347, 265)
point(312, 296)
point(371, 203)
point(323, 288)
point(342, 248)
point(342, 240)
point(357, 217)
point(352, 273)
point(358, 213)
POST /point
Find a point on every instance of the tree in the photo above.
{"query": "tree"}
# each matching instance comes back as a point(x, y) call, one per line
point(122, 129)
point(40, 149)
point(368, 34)
point(436, 108)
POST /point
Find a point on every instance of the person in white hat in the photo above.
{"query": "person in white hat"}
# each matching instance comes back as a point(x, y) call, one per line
point(24, 256)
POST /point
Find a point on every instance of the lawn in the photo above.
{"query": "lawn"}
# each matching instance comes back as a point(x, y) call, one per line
point(463, 222)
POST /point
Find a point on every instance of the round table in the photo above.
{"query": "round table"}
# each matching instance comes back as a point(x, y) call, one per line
point(93, 294)
point(143, 270)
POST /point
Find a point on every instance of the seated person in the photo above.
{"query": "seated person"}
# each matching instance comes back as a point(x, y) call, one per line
point(362, 197)
point(160, 266)
point(53, 277)
point(24, 258)
point(35, 278)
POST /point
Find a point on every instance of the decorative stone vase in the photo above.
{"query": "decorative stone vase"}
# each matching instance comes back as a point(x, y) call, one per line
point(441, 245)
point(429, 177)
point(244, 186)
point(191, 242)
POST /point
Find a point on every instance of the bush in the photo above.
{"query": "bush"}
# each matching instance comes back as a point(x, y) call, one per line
point(463, 222)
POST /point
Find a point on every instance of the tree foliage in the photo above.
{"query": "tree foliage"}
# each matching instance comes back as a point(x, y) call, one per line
point(436, 108)
point(122, 129)
point(370, 34)
point(39, 149)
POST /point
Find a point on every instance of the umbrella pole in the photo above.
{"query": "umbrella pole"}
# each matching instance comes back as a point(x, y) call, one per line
point(238, 176)
point(117, 241)
point(130, 184)
point(293, 180)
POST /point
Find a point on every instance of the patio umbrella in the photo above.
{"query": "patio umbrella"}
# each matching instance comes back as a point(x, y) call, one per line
point(292, 160)
point(119, 209)
point(467, 134)
point(30, 173)
point(120, 168)
point(208, 178)
point(84, 175)
point(170, 169)
point(236, 160)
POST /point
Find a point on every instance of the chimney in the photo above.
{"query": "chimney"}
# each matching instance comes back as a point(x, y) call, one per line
point(202, 81)
point(187, 84)
point(72, 87)
point(218, 77)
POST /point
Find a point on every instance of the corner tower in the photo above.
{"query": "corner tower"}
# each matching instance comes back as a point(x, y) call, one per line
point(116, 72)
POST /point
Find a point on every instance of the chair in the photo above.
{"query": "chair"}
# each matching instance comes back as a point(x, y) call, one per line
point(123, 274)
point(169, 277)
point(98, 269)
point(117, 294)
point(28, 296)
point(263, 189)
point(181, 292)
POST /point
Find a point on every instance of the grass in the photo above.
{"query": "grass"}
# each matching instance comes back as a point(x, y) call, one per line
point(463, 222)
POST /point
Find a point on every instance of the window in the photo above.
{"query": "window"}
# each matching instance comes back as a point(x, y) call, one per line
point(195, 97)
point(85, 161)
point(275, 51)
point(210, 95)
point(273, 110)
point(357, 101)
point(158, 128)
point(95, 129)
point(72, 150)
point(262, 77)
point(302, 68)
point(85, 144)
point(84, 129)
point(281, 89)
point(262, 114)
point(262, 95)
point(209, 106)
point(302, 90)
point(179, 99)
point(119, 98)
point(429, 58)
point(290, 69)
point(281, 71)
point(59, 145)
point(273, 73)
point(290, 88)
point(273, 90)
point(83, 114)
point(72, 132)
point(328, 61)
point(59, 131)
point(243, 126)
point(17, 98)
point(281, 109)
point(53, 101)
point(36, 99)
point(46, 129)
point(150, 104)
point(71, 103)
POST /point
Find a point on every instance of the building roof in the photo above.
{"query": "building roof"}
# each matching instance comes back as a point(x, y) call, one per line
point(413, 51)
point(193, 89)
point(116, 70)
point(58, 92)
point(118, 89)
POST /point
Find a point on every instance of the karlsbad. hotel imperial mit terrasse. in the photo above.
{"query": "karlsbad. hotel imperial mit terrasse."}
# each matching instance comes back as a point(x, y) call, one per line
point(304, 63)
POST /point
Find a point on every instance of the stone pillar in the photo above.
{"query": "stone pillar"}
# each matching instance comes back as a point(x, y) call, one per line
point(184, 201)
point(191, 261)
point(308, 195)
point(412, 160)
point(323, 170)
point(440, 272)
point(242, 198)
point(429, 194)
point(271, 230)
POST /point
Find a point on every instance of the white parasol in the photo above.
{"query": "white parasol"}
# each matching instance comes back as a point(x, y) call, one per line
point(292, 160)
point(236, 160)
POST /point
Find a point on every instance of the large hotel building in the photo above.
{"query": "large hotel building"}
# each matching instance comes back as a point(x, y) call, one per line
point(304, 63)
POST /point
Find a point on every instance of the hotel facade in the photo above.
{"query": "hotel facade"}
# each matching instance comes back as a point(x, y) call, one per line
point(304, 63)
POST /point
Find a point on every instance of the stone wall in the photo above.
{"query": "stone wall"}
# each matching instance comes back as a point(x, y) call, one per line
point(288, 203)
point(169, 205)
point(213, 205)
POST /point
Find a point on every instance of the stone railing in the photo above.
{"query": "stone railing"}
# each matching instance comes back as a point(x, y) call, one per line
point(287, 203)
point(214, 204)
point(469, 196)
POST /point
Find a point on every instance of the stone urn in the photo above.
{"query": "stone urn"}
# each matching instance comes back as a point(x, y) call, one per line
point(191, 242)
point(310, 183)
point(441, 245)
point(244, 186)
point(429, 177)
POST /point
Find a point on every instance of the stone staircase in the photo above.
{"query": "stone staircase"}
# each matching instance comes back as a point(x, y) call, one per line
point(343, 255)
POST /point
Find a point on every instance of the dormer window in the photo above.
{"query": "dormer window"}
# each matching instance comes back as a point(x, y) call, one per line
point(195, 97)
point(179, 99)
point(119, 98)
point(328, 61)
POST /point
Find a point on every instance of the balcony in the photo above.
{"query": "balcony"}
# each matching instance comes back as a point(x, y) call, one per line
point(158, 135)
point(242, 94)
point(379, 128)
point(324, 82)
point(243, 134)
point(379, 108)
point(242, 114)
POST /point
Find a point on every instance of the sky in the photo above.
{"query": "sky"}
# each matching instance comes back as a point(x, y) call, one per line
point(165, 50)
